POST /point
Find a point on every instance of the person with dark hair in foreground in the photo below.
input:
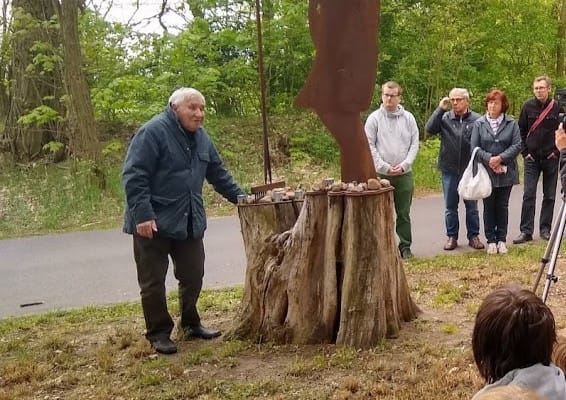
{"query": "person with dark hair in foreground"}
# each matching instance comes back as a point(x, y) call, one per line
point(512, 341)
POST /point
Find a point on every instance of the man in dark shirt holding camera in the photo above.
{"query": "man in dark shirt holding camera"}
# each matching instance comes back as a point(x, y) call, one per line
point(538, 121)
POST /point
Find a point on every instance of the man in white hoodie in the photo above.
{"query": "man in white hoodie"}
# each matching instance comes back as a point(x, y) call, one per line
point(393, 138)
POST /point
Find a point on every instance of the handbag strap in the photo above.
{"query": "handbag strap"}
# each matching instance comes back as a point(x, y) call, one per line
point(473, 156)
point(540, 117)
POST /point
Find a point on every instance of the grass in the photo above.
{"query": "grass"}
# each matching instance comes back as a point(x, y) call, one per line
point(39, 198)
point(100, 352)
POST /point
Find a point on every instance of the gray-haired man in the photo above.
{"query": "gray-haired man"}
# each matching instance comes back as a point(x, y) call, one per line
point(453, 121)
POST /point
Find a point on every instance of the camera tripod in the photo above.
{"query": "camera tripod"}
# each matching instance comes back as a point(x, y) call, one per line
point(551, 254)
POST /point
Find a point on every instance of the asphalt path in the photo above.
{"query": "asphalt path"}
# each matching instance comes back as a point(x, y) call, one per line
point(70, 270)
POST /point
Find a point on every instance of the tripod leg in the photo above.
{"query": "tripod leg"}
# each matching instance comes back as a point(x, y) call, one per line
point(558, 234)
point(545, 258)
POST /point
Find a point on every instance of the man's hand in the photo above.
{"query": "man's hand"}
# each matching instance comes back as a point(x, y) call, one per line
point(560, 137)
point(146, 228)
point(396, 170)
point(445, 103)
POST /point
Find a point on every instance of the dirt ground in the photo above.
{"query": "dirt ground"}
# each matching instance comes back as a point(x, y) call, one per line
point(78, 357)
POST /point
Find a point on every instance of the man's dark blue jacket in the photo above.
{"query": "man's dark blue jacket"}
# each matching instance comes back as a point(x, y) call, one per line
point(163, 176)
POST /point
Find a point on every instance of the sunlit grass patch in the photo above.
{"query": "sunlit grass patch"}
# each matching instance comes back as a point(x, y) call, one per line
point(449, 329)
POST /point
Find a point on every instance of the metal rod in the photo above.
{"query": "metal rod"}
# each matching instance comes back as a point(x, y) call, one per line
point(549, 248)
point(559, 233)
point(266, 158)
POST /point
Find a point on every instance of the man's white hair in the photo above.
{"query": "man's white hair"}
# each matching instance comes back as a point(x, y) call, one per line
point(462, 92)
point(183, 94)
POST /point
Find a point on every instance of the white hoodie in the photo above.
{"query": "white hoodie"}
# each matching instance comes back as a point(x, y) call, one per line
point(393, 138)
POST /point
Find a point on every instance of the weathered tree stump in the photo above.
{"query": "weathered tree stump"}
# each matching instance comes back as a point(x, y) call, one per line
point(334, 275)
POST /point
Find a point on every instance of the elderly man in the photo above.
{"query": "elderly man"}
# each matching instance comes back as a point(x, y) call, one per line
point(167, 162)
point(538, 122)
point(455, 129)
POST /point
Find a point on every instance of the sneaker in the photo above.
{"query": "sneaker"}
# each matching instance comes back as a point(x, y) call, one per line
point(475, 243)
point(501, 248)
point(545, 235)
point(406, 253)
point(491, 248)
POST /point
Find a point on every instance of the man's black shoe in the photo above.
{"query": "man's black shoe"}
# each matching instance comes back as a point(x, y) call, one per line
point(522, 238)
point(163, 345)
point(545, 235)
point(200, 331)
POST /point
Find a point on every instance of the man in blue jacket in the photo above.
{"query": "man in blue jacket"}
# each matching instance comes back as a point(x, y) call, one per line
point(167, 162)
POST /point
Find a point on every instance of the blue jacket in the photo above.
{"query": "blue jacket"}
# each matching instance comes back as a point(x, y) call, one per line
point(163, 176)
point(507, 144)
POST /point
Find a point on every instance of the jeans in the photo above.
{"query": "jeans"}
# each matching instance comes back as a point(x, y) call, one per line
point(496, 214)
point(451, 200)
point(403, 198)
point(549, 171)
point(152, 261)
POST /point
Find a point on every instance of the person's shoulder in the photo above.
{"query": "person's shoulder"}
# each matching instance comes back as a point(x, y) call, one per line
point(158, 121)
point(375, 113)
point(530, 102)
point(473, 116)
point(202, 137)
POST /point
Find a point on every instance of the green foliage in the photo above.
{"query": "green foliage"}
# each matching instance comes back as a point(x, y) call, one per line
point(40, 116)
point(425, 171)
point(315, 145)
point(38, 198)
point(53, 147)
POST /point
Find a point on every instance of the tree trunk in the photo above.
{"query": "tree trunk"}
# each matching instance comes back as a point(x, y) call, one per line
point(83, 137)
point(334, 276)
point(375, 294)
point(31, 84)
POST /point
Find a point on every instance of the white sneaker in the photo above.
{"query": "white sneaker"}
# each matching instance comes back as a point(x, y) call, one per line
point(502, 247)
point(491, 248)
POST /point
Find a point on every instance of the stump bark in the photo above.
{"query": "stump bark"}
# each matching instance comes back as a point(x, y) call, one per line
point(326, 271)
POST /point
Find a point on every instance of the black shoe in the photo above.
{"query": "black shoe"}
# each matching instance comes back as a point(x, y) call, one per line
point(163, 345)
point(545, 235)
point(406, 253)
point(200, 331)
point(522, 238)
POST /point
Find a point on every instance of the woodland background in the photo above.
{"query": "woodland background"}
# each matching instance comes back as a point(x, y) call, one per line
point(70, 79)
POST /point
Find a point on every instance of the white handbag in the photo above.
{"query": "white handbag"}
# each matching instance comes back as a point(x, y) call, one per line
point(474, 187)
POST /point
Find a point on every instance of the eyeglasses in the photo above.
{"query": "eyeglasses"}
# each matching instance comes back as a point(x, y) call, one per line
point(390, 96)
point(457, 99)
point(540, 87)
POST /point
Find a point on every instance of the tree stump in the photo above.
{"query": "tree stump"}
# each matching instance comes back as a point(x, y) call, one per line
point(332, 276)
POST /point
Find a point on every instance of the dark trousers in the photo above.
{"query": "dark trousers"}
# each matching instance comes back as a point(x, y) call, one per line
point(549, 171)
point(152, 261)
point(496, 214)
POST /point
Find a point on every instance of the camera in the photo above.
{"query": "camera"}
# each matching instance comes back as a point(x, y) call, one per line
point(560, 97)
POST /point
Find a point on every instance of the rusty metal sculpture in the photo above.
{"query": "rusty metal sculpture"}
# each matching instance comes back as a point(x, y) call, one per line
point(342, 78)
